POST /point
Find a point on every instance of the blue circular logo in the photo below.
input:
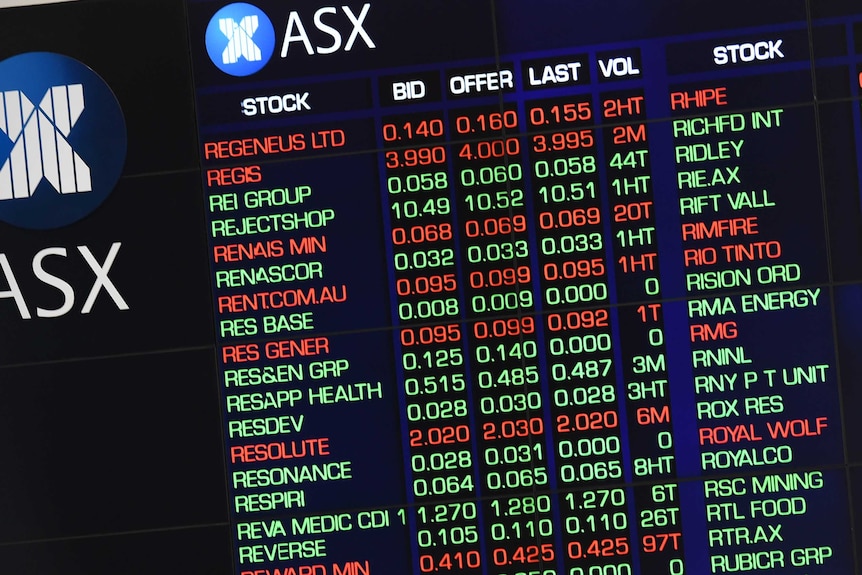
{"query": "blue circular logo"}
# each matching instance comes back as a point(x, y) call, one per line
point(240, 39)
point(62, 140)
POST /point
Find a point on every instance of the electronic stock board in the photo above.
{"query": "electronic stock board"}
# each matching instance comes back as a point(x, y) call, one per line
point(534, 287)
point(508, 287)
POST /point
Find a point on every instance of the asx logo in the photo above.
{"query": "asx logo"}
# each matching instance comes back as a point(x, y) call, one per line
point(62, 140)
point(69, 294)
point(44, 132)
point(62, 150)
point(240, 38)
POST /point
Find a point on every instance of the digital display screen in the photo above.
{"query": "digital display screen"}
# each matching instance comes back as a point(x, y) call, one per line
point(518, 288)
point(534, 288)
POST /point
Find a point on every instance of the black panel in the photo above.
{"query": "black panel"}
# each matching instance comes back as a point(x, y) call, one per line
point(139, 47)
point(201, 550)
point(122, 444)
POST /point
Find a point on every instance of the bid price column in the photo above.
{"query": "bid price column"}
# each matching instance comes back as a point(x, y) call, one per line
point(641, 326)
point(507, 400)
point(433, 380)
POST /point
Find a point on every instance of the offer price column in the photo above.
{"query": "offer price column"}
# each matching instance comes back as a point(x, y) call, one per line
point(507, 399)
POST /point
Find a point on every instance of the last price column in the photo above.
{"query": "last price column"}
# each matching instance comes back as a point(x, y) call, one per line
point(569, 219)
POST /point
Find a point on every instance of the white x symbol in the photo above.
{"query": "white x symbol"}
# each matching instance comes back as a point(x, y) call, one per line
point(40, 148)
point(240, 36)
